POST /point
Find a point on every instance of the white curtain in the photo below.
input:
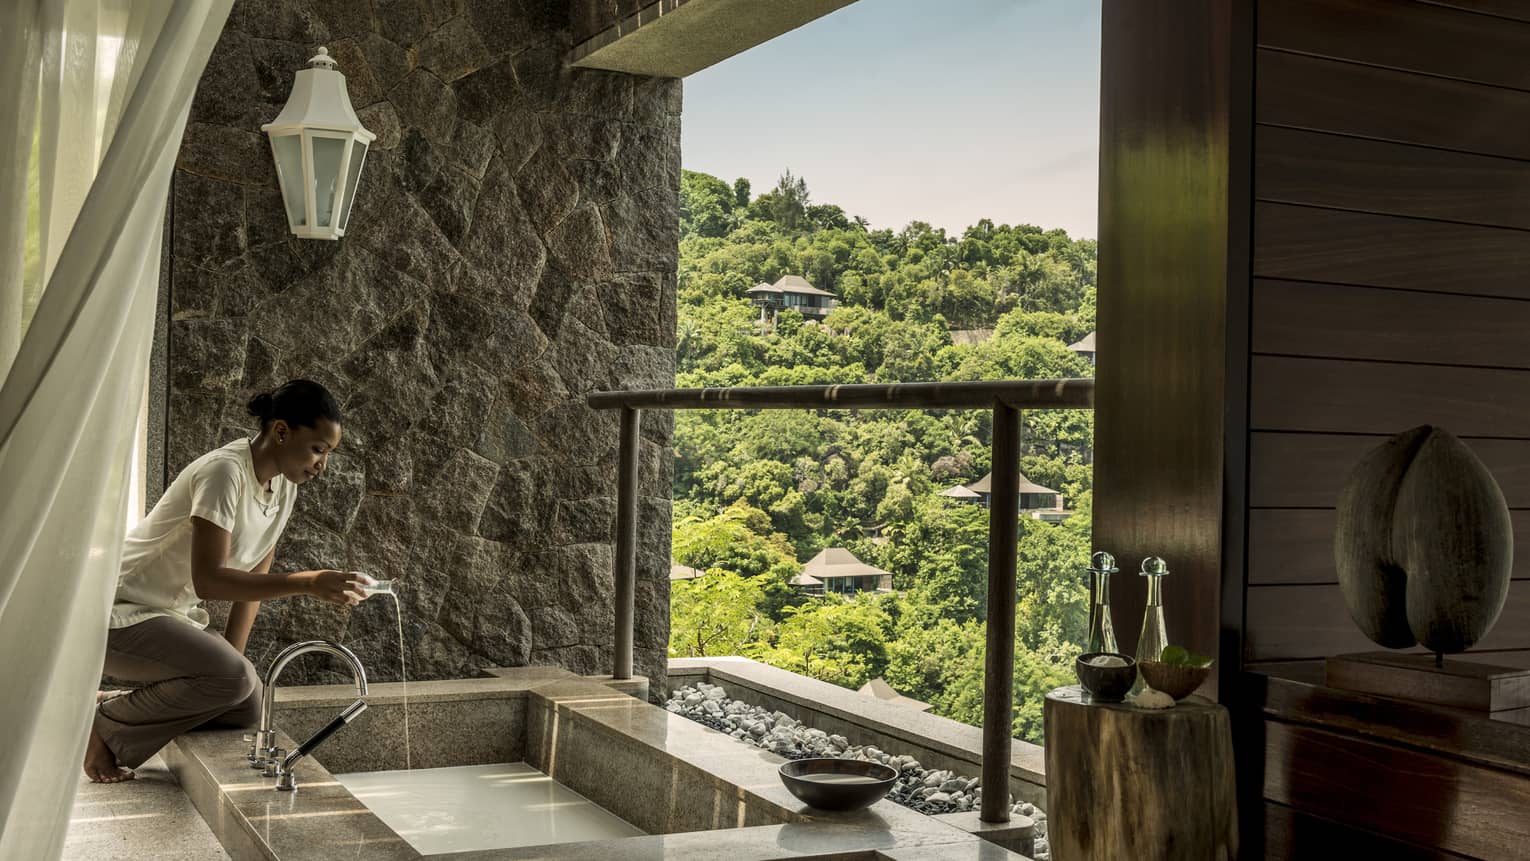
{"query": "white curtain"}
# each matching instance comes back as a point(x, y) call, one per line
point(94, 96)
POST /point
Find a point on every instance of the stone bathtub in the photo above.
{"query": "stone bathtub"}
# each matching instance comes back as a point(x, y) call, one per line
point(693, 793)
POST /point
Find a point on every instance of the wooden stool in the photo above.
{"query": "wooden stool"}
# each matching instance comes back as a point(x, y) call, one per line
point(1124, 782)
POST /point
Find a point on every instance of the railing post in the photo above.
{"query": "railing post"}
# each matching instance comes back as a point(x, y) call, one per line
point(625, 565)
point(999, 655)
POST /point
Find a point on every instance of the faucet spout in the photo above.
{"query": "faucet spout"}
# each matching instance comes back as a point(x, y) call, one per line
point(264, 747)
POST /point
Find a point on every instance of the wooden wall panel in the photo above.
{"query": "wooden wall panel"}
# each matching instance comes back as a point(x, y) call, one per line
point(1290, 546)
point(1346, 98)
point(1296, 545)
point(1300, 622)
point(1514, 10)
point(1298, 470)
point(1391, 273)
point(1296, 166)
point(1312, 244)
point(1332, 395)
point(1299, 318)
point(1406, 794)
point(1415, 37)
point(1292, 834)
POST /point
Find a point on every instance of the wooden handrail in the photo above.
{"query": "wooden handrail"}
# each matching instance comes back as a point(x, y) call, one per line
point(1019, 394)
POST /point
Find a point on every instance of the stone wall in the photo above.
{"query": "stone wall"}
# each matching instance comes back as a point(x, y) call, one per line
point(512, 248)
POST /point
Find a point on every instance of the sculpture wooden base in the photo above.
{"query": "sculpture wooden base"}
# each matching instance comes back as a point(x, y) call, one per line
point(1458, 683)
point(1124, 782)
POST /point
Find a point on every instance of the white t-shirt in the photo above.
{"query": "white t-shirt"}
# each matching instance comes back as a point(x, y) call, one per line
point(221, 488)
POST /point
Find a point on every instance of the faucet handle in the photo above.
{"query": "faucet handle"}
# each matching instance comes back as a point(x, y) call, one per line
point(255, 758)
point(273, 766)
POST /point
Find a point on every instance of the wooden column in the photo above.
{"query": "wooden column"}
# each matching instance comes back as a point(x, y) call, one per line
point(626, 542)
point(1124, 782)
point(1171, 421)
point(999, 657)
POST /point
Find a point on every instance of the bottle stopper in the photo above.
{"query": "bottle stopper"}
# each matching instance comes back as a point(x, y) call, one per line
point(1103, 563)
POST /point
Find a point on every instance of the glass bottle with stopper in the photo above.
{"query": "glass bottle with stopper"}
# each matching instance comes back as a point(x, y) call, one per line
point(1102, 634)
point(1154, 636)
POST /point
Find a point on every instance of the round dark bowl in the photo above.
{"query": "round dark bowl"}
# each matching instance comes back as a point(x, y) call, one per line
point(1106, 684)
point(1176, 681)
point(838, 784)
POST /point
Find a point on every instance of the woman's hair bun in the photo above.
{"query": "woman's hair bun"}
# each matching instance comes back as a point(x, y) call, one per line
point(299, 403)
point(260, 406)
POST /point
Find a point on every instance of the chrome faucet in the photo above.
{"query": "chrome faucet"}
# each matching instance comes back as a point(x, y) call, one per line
point(264, 754)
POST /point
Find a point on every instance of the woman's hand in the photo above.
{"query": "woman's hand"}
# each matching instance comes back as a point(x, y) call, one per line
point(332, 586)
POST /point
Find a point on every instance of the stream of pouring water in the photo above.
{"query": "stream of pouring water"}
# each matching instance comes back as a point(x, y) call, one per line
point(403, 674)
point(403, 664)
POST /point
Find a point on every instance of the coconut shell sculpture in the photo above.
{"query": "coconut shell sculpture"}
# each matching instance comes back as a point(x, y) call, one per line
point(1424, 545)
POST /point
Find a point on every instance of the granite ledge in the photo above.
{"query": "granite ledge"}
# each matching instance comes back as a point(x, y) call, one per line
point(726, 760)
point(759, 843)
point(1027, 762)
point(504, 684)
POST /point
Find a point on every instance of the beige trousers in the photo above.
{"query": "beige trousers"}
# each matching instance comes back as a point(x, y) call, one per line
point(193, 678)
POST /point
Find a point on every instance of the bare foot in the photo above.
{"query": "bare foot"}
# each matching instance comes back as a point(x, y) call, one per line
point(101, 764)
point(103, 696)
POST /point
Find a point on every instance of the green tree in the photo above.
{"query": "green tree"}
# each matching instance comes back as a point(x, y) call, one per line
point(786, 204)
point(737, 540)
point(706, 205)
point(715, 614)
point(832, 639)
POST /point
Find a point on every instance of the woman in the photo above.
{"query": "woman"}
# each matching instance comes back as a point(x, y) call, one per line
point(212, 536)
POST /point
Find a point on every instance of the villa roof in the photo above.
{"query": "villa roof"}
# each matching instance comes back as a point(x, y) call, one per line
point(1084, 344)
point(684, 572)
point(985, 485)
point(960, 491)
point(880, 689)
point(798, 284)
point(969, 337)
point(838, 562)
point(762, 287)
point(804, 579)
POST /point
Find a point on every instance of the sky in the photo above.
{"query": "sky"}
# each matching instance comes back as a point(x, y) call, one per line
point(896, 110)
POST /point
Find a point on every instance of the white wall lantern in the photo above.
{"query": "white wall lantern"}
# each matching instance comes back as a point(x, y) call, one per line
point(319, 146)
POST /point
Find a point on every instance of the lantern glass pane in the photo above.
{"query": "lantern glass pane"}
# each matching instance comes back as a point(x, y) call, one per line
point(327, 155)
point(289, 171)
point(353, 175)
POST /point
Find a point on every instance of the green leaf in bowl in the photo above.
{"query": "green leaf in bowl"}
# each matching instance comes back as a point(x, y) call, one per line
point(1174, 656)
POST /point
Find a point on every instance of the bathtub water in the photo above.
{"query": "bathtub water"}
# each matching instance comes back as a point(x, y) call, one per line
point(470, 807)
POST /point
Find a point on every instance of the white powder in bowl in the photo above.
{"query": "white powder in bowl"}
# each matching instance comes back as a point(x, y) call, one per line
point(1105, 661)
point(1151, 699)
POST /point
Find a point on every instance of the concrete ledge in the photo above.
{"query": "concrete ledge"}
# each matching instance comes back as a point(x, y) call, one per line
point(935, 741)
point(674, 38)
point(1016, 835)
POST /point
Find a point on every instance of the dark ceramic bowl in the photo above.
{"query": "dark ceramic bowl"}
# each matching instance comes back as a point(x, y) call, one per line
point(1176, 681)
point(838, 784)
point(1106, 684)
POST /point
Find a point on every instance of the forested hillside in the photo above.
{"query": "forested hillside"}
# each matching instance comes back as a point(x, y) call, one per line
point(756, 494)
